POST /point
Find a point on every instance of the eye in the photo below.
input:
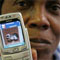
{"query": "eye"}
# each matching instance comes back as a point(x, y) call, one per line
point(22, 4)
point(53, 8)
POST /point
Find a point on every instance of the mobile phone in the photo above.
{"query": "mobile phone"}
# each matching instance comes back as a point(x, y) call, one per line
point(14, 39)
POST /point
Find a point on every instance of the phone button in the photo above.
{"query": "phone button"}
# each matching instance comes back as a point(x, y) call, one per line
point(26, 58)
point(23, 48)
point(16, 50)
point(26, 53)
point(19, 59)
point(8, 58)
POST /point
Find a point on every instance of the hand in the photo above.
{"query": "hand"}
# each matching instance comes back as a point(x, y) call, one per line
point(34, 54)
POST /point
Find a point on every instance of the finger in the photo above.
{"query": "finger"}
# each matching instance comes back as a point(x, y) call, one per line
point(34, 54)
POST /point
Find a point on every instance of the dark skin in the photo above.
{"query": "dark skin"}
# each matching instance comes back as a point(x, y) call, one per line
point(42, 18)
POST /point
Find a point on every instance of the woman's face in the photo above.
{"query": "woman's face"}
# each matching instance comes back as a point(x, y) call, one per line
point(42, 18)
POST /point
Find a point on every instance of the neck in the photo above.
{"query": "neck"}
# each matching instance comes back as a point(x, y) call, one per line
point(42, 56)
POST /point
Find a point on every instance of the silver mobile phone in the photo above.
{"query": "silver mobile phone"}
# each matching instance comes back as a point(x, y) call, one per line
point(14, 39)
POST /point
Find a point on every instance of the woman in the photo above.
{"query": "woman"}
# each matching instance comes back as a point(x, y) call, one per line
point(42, 18)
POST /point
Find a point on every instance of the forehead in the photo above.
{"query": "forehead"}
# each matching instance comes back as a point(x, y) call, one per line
point(40, 1)
point(32, 0)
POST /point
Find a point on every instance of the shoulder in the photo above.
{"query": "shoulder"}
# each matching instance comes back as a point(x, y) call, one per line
point(57, 53)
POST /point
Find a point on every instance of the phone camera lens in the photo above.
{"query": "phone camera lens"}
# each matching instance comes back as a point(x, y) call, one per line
point(6, 16)
point(9, 16)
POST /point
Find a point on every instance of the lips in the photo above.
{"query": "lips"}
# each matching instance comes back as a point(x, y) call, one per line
point(40, 41)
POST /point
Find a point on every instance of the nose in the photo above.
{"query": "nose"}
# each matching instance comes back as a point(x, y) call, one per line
point(39, 20)
point(37, 23)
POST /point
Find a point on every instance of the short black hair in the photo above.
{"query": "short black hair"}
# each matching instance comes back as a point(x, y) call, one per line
point(1, 3)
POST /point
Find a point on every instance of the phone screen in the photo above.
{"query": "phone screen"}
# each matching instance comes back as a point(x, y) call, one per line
point(11, 33)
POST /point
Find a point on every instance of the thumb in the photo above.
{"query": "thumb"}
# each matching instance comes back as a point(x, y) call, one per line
point(34, 54)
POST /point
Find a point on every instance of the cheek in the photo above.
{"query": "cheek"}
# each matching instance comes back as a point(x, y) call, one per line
point(54, 23)
point(56, 27)
point(8, 8)
point(26, 16)
point(56, 44)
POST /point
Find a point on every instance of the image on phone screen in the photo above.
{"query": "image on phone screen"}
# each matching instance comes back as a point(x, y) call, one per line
point(12, 34)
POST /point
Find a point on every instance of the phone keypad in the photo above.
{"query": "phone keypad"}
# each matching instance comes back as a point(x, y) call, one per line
point(18, 59)
point(8, 58)
point(23, 56)
point(26, 58)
